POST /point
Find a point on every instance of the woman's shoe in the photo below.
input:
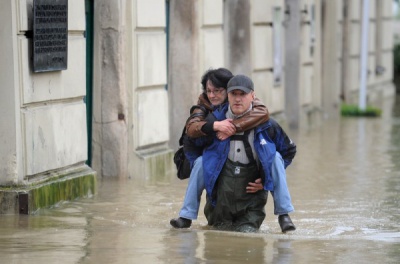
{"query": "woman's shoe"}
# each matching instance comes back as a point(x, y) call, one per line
point(286, 223)
point(181, 222)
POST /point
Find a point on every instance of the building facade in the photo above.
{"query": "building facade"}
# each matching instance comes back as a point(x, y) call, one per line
point(134, 69)
point(43, 120)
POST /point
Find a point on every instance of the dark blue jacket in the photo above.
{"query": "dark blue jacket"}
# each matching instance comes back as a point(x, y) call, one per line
point(269, 137)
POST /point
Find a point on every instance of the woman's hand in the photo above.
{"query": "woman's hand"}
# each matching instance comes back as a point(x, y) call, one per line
point(225, 126)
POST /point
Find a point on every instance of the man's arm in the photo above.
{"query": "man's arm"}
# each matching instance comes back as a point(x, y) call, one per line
point(258, 115)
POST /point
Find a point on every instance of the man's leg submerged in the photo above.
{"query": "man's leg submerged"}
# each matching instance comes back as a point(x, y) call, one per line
point(282, 201)
point(191, 203)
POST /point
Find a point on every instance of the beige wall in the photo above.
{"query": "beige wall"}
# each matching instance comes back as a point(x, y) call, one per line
point(196, 44)
point(183, 64)
point(150, 96)
point(380, 44)
point(262, 50)
point(149, 102)
point(307, 53)
point(130, 100)
point(211, 35)
point(44, 126)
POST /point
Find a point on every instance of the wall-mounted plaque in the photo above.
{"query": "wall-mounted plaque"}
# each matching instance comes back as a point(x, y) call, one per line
point(50, 35)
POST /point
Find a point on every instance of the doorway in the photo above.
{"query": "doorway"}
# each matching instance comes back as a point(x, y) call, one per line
point(89, 7)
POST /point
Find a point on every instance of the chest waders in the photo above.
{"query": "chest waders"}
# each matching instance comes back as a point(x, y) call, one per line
point(235, 209)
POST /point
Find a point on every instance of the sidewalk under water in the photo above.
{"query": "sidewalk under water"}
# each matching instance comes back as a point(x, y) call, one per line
point(345, 186)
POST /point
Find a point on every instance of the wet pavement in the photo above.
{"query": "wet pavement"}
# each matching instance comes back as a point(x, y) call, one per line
point(345, 186)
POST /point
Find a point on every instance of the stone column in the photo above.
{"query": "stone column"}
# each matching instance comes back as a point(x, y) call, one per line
point(344, 89)
point(183, 61)
point(292, 63)
point(330, 78)
point(238, 36)
point(8, 93)
point(110, 136)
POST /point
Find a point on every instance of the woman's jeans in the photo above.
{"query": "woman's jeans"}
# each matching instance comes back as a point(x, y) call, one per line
point(281, 196)
point(191, 204)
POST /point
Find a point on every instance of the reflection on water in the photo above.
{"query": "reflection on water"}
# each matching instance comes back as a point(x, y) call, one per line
point(345, 185)
point(44, 238)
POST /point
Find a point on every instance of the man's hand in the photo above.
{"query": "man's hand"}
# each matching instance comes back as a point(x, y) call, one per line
point(255, 186)
point(224, 128)
point(222, 136)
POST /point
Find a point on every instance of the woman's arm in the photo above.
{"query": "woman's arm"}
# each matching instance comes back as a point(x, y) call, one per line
point(258, 115)
point(201, 121)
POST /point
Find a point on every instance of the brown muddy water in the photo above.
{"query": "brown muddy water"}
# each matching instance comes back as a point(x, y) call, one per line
point(345, 186)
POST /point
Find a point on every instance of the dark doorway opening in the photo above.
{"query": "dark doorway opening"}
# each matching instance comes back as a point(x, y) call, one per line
point(89, 7)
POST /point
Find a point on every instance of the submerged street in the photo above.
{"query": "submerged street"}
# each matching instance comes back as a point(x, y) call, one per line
point(344, 182)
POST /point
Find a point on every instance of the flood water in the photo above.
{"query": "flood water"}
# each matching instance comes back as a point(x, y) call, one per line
point(345, 186)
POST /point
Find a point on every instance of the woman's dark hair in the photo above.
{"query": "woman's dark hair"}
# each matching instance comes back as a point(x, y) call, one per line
point(218, 77)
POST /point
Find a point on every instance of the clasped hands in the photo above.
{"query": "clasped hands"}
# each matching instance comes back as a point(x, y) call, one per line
point(224, 129)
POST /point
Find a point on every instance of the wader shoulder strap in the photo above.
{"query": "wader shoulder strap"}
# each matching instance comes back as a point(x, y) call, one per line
point(247, 147)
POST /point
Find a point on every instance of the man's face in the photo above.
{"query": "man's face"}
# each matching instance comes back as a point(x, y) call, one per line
point(216, 95)
point(240, 101)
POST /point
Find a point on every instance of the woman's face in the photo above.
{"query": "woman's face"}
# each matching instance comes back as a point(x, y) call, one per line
point(216, 95)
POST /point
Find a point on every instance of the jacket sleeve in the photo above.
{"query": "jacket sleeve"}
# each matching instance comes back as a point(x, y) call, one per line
point(200, 122)
point(196, 121)
point(284, 145)
point(258, 115)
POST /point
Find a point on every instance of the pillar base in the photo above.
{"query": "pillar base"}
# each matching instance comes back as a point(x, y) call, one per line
point(78, 183)
point(156, 166)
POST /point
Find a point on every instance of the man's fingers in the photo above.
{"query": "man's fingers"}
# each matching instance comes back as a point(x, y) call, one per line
point(251, 190)
point(253, 187)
